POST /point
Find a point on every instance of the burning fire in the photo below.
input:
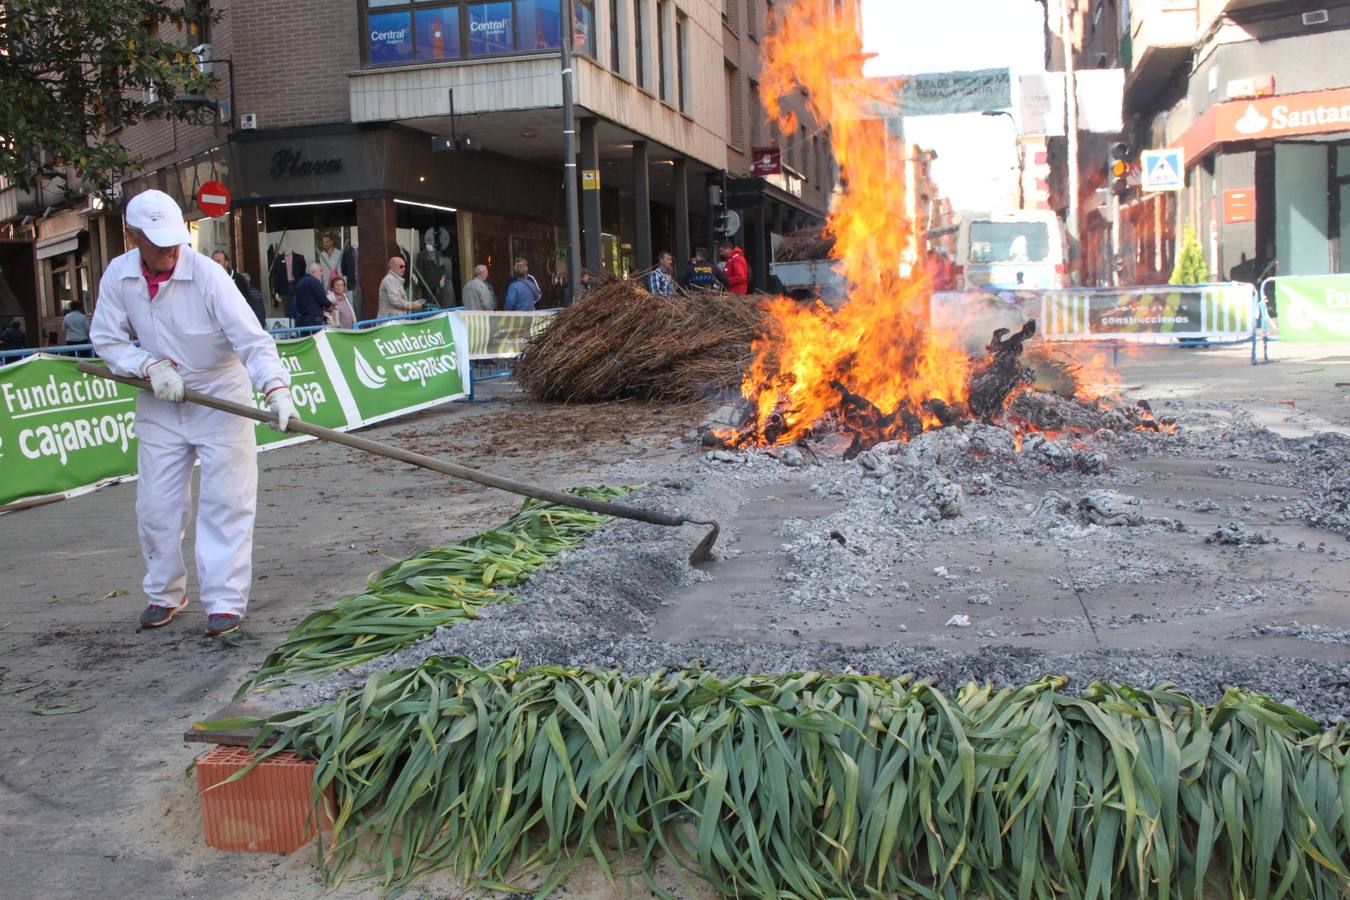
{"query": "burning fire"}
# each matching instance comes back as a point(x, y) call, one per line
point(875, 368)
point(875, 359)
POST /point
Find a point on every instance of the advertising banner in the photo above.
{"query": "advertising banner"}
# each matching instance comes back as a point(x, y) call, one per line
point(1135, 314)
point(494, 335)
point(942, 93)
point(1314, 309)
point(400, 367)
point(312, 390)
point(1150, 314)
point(1041, 98)
point(63, 432)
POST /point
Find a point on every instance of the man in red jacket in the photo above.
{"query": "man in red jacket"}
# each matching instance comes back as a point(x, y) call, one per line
point(734, 267)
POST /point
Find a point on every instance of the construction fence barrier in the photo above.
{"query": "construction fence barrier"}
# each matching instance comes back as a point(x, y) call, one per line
point(1226, 313)
point(64, 433)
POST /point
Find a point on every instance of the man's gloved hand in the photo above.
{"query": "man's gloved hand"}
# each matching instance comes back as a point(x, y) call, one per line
point(279, 401)
point(166, 381)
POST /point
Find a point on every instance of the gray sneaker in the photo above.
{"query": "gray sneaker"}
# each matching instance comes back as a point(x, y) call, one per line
point(222, 623)
point(155, 616)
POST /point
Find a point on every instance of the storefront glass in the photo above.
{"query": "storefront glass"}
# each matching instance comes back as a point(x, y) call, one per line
point(1343, 209)
point(293, 236)
point(1302, 212)
point(428, 237)
point(438, 33)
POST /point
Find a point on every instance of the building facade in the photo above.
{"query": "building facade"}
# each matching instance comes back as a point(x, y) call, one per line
point(432, 129)
point(1256, 94)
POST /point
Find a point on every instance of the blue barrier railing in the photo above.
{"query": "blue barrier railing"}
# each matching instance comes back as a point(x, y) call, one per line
point(1262, 327)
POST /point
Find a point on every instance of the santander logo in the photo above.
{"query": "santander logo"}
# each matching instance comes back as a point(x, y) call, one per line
point(1252, 122)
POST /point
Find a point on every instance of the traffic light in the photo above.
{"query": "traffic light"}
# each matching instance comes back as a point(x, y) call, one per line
point(1119, 169)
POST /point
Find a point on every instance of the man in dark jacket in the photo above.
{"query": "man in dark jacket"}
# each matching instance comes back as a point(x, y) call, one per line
point(13, 337)
point(241, 284)
point(310, 299)
point(700, 274)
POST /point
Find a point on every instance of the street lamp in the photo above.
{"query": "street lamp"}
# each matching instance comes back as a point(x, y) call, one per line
point(1019, 150)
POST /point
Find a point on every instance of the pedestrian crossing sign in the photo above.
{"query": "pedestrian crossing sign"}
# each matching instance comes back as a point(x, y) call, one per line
point(1163, 170)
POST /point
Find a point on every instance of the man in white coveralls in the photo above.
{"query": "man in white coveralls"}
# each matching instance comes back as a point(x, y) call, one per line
point(195, 331)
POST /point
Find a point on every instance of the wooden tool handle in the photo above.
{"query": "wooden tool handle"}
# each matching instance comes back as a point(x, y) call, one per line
point(486, 479)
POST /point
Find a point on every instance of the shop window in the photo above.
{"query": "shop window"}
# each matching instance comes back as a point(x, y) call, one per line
point(583, 28)
point(403, 31)
point(391, 37)
point(437, 32)
point(538, 24)
point(291, 236)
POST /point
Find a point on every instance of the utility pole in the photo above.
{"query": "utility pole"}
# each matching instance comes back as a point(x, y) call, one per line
point(1071, 116)
point(570, 154)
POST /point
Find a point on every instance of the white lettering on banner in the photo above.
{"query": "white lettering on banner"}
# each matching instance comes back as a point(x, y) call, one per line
point(1283, 117)
point(380, 37)
point(422, 369)
point(308, 395)
point(55, 394)
point(410, 343)
point(1146, 320)
point(293, 364)
point(1338, 299)
point(495, 26)
point(60, 439)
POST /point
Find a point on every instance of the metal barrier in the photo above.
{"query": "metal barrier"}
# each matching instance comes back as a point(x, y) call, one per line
point(1217, 314)
point(1312, 309)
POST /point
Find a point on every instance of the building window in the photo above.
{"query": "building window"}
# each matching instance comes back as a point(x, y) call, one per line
point(756, 117)
point(615, 59)
point(662, 56)
point(583, 28)
point(682, 57)
point(406, 31)
point(639, 43)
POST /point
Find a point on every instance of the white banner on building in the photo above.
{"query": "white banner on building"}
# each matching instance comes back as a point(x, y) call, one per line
point(1041, 99)
point(1101, 94)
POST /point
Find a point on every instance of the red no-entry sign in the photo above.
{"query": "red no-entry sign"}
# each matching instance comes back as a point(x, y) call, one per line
point(213, 199)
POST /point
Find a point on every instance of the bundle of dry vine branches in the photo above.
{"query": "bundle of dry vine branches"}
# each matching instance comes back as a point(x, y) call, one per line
point(621, 342)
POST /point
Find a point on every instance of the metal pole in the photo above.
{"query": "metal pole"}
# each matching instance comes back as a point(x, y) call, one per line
point(570, 154)
point(1071, 116)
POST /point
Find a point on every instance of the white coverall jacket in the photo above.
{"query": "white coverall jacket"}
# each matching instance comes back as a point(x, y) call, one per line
point(199, 320)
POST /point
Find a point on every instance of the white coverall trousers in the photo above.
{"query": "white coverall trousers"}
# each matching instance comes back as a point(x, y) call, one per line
point(172, 436)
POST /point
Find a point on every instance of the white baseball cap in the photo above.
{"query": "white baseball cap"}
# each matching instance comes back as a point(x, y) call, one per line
point(156, 215)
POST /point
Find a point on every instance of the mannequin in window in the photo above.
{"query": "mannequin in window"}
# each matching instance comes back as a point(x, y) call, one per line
point(285, 269)
point(330, 257)
point(430, 272)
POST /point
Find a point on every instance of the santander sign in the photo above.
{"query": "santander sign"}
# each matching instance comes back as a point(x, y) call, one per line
point(1316, 112)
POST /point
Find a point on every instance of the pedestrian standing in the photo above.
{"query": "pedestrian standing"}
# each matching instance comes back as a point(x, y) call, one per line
point(699, 273)
point(339, 314)
point(477, 292)
point(330, 259)
point(393, 298)
point(244, 285)
point(735, 269)
point(194, 331)
point(659, 281)
point(14, 337)
point(75, 326)
point(310, 298)
point(523, 292)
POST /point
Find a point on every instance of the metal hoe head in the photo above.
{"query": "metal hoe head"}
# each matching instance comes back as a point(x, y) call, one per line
point(703, 552)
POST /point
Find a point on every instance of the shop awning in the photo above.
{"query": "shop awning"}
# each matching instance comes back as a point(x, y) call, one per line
point(57, 244)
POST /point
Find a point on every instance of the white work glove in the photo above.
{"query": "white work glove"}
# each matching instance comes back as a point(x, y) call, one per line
point(279, 401)
point(166, 381)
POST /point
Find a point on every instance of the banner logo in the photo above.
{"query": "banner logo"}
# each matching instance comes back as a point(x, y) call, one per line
point(372, 377)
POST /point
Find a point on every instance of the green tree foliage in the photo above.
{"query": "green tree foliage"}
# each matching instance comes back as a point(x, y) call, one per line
point(1191, 267)
point(72, 70)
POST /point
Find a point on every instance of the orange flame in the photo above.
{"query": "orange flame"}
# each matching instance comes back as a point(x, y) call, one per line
point(878, 345)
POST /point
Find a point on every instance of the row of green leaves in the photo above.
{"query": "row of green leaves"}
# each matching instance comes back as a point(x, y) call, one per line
point(437, 586)
point(827, 786)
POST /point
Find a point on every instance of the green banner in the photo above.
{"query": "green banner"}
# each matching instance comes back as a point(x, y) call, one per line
point(62, 430)
point(401, 366)
point(493, 335)
point(942, 93)
point(312, 391)
point(1314, 309)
